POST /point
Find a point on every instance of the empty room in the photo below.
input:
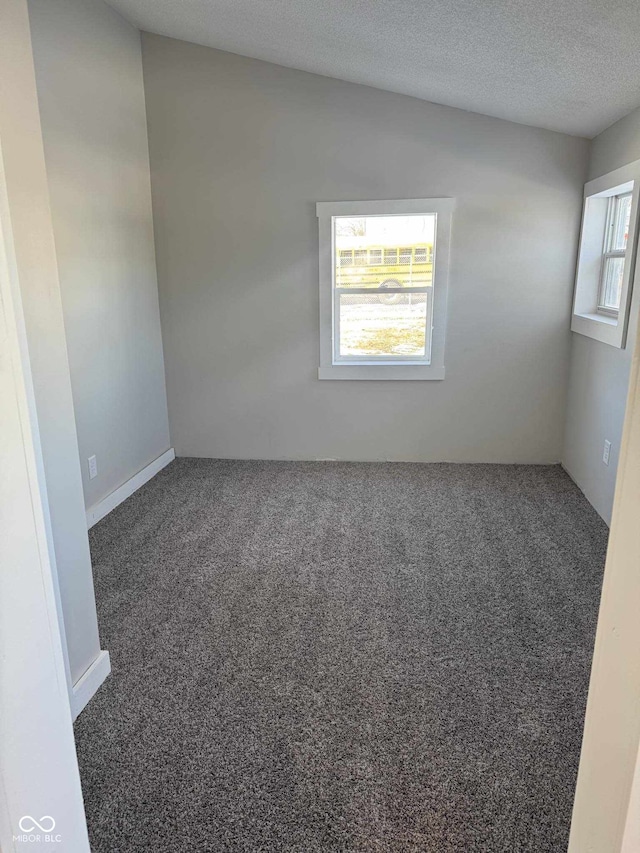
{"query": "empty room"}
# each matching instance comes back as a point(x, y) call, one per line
point(321, 426)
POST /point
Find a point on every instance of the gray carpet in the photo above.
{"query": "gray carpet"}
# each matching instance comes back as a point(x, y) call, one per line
point(341, 657)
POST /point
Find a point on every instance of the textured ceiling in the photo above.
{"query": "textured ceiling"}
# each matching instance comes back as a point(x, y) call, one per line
point(568, 65)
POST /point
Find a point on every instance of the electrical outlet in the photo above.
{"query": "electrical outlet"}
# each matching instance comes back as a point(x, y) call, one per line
point(606, 452)
point(93, 467)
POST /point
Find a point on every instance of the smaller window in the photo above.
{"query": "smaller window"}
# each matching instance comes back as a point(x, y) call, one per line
point(606, 259)
point(613, 258)
point(420, 256)
point(405, 256)
point(346, 259)
point(391, 256)
point(375, 257)
point(360, 257)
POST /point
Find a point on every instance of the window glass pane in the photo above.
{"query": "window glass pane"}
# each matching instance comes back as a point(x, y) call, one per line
point(393, 322)
point(391, 243)
point(383, 325)
point(620, 223)
point(612, 283)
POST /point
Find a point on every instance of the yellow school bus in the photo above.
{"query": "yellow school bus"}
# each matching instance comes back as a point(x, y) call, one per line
point(383, 267)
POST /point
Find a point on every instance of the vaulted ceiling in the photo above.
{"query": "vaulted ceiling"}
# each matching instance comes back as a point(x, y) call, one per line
point(567, 65)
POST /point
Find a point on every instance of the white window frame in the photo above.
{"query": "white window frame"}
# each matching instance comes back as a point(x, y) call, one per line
point(383, 367)
point(589, 316)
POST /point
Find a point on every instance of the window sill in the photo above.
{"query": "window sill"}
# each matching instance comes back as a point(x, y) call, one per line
point(600, 327)
point(597, 317)
point(381, 372)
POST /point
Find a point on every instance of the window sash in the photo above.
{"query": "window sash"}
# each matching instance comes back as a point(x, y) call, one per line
point(602, 306)
point(386, 358)
point(372, 291)
point(614, 212)
point(617, 206)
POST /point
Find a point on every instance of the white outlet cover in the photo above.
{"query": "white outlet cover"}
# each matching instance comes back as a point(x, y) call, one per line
point(93, 467)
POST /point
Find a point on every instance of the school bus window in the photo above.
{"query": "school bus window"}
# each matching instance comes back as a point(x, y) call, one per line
point(360, 257)
point(420, 256)
point(375, 257)
point(405, 256)
point(346, 259)
point(391, 256)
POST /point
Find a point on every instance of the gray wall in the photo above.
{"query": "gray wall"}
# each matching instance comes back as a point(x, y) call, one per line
point(32, 260)
point(599, 374)
point(89, 75)
point(240, 152)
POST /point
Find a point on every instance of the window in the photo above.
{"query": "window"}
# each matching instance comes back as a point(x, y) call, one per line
point(615, 248)
point(606, 258)
point(384, 319)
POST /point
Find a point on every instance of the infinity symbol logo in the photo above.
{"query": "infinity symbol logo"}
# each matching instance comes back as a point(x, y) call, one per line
point(45, 824)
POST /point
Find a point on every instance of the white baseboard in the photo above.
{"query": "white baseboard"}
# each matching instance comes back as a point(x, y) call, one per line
point(104, 507)
point(86, 686)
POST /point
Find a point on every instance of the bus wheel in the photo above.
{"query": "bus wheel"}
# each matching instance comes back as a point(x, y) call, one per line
point(390, 298)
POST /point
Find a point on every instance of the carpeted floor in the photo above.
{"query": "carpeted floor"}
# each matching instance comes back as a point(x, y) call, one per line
point(341, 657)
